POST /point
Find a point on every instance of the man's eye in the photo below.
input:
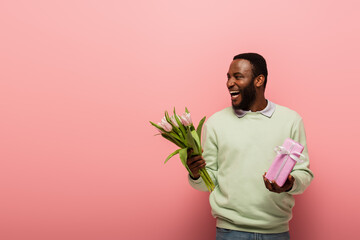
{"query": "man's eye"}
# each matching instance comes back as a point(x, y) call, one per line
point(238, 77)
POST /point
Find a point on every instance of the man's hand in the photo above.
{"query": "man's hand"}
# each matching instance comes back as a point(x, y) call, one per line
point(273, 187)
point(195, 163)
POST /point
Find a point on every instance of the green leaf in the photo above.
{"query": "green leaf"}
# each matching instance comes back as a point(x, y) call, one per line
point(183, 155)
point(199, 128)
point(173, 139)
point(183, 158)
point(167, 117)
point(197, 140)
point(166, 136)
point(171, 155)
point(191, 143)
point(174, 135)
point(186, 110)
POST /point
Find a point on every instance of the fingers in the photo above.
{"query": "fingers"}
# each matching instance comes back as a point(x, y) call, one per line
point(289, 183)
point(196, 166)
point(291, 178)
point(195, 163)
point(277, 188)
point(193, 159)
point(272, 186)
point(268, 184)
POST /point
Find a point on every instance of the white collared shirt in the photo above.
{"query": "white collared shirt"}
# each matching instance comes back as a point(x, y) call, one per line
point(267, 111)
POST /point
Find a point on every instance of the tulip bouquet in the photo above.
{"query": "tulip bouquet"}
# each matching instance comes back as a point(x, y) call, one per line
point(181, 131)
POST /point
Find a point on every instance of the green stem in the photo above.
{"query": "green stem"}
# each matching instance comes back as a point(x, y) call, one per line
point(212, 185)
point(207, 180)
point(204, 178)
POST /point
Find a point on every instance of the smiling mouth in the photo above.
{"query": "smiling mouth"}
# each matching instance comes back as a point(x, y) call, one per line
point(234, 94)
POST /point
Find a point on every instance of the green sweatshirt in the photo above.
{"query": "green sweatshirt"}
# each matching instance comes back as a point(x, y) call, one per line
point(238, 151)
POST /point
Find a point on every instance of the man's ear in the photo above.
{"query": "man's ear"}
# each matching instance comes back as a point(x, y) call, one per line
point(259, 80)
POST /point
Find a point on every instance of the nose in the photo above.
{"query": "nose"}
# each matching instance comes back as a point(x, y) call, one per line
point(230, 82)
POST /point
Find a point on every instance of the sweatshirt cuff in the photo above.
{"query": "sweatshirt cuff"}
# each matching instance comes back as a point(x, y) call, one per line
point(197, 181)
point(293, 189)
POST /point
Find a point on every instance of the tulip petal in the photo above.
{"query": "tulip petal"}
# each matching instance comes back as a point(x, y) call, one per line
point(181, 126)
point(157, 126)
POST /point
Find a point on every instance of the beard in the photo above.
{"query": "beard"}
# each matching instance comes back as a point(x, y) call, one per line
point(248, 96)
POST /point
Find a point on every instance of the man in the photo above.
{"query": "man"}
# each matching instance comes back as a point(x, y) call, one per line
point(239, 144)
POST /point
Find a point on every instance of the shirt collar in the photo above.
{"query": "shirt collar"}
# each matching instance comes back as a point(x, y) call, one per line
point(267, 111)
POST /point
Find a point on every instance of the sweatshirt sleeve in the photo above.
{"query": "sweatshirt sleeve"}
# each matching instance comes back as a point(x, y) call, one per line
point(301, 172)
point(209, 143)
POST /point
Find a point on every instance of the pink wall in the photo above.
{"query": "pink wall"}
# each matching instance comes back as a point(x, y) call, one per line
point(79, 81)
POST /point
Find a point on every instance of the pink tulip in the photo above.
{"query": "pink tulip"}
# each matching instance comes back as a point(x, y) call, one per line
point(165, 125)
point(173, 120)
point(186, 119)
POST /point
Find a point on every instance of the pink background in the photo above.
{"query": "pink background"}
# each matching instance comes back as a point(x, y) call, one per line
point(79, 81)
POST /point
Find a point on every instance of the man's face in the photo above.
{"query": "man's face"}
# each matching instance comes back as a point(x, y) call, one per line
point(241, 84)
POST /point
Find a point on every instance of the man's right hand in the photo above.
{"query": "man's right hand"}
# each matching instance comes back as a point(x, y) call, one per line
point(195, 163)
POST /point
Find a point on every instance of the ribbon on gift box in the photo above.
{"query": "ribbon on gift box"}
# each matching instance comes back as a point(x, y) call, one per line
point(296, 156)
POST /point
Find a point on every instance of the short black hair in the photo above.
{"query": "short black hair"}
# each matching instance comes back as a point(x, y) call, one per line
point(258, 64)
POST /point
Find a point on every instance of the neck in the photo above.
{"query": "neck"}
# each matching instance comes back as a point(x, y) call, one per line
point(259, 104)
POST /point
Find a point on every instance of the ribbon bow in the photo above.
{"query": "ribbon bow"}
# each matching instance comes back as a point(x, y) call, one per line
point(298, 157)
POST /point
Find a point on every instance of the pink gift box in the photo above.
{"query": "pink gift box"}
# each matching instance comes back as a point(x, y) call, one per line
point(288, 155)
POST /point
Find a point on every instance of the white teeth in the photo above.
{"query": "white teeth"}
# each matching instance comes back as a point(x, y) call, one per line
point(234, 93)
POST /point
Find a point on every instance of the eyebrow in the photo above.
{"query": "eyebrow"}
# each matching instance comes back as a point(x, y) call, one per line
point(234, 73)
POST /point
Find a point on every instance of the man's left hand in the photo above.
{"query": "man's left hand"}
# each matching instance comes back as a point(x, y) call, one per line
point(273, 187)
